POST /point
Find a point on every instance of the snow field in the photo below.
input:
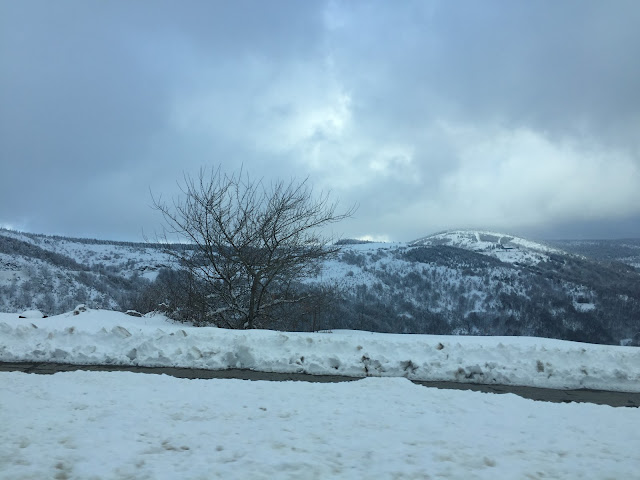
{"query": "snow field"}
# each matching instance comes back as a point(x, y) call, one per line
point(106, 337)
point(118, 425)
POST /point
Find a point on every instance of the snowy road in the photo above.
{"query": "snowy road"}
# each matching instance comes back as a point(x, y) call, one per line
point(598, 397)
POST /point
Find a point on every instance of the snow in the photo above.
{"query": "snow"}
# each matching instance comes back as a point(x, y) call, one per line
point(90, 425)
point(584, 307)
point(126, 258)
point(479, 240)
point(117, 425)
point(106, 337)
point(32, 314)
point(518, 249)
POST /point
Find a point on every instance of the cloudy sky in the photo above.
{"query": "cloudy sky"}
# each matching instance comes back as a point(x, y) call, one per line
point(519, 116)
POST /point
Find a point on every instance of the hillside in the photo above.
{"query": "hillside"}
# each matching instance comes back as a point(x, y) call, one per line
point(506, 248)
point(623, 251)
point(54, 274)
point(458, 282)
point(484, 283)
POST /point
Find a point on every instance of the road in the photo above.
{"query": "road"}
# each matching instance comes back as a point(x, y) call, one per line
point(614, 399)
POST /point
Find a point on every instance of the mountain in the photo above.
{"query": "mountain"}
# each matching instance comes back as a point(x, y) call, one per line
point(506, 248)
point(55, 273)
point(623, 251)
point(455, 282)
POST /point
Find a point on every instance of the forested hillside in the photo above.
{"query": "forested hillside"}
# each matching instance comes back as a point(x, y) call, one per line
point(623, 251)
point(54, 274)
point(452, 283)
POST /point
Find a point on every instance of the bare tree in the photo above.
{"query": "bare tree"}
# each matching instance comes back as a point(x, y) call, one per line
point(252, 241)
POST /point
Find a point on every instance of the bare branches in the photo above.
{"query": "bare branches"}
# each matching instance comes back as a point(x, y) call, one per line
point(252, 241)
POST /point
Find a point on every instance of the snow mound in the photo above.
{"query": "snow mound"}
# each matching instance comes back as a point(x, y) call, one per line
point(106, 337)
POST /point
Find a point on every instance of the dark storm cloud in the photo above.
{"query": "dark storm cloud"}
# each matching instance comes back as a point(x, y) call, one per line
point(557, 66)
point(508, 114)
point(76, 104)
point(548, 64)
point(87, 89)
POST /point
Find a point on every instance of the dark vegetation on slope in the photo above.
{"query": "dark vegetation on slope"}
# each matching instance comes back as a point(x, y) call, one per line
point(447, 290)
point(622, 251)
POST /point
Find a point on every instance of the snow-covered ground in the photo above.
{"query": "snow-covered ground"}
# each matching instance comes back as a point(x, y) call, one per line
point(117, 425)
point(89, 425)
point(106, 337)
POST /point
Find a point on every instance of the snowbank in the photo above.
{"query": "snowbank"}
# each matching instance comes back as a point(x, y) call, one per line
point(105, 337)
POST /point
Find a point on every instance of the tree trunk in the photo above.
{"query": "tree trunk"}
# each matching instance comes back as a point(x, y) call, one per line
point(252, 304)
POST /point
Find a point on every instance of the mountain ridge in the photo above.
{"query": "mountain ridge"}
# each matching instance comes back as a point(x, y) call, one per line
point(454, 282)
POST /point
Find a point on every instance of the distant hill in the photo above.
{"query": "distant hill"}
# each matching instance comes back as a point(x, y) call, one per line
point(455, 282)
point(623, 251)
point(506, 248)
point(55, 273)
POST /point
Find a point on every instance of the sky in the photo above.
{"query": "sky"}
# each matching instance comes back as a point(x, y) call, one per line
point(517, 116)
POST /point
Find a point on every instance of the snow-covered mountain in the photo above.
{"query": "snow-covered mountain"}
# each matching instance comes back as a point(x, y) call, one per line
point(456, 282)
point(506, 248)
point(56, 273)
point(125, 258)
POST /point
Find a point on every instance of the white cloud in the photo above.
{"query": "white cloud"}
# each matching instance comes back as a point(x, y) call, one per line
point(486, 176)
point(520, 178)
point(374, 238)
point(21, 226)
point(274, 106)
point(300, 113)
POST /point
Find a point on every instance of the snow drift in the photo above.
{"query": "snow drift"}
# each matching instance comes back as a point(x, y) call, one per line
point(106, 337)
